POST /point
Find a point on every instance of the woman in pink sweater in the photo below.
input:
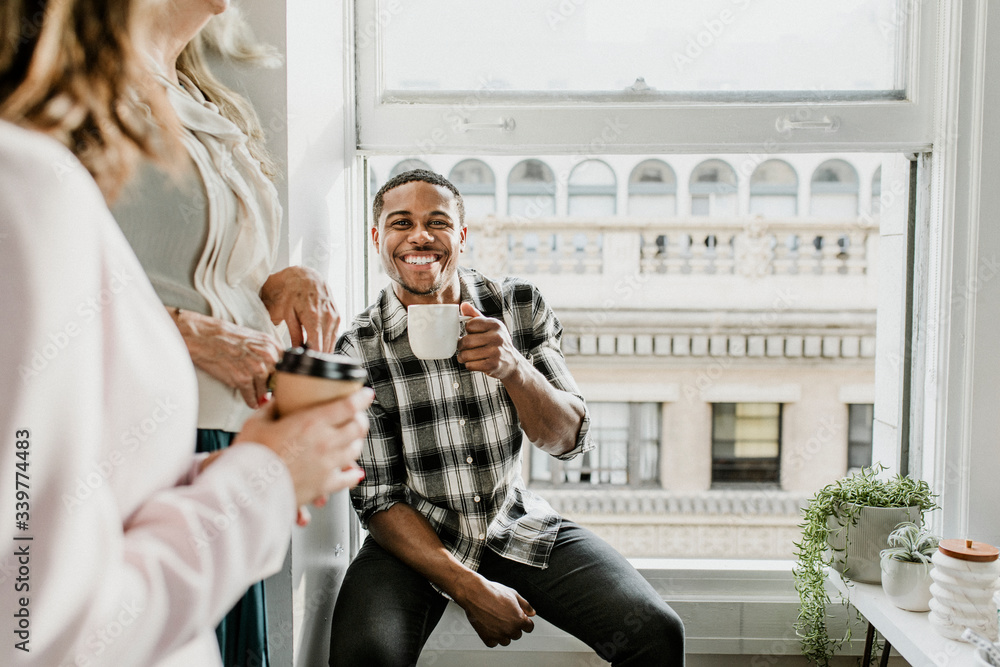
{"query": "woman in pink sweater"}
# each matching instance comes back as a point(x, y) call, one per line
point(118, 546)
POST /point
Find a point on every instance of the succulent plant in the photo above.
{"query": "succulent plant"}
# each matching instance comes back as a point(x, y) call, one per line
point(911, 544)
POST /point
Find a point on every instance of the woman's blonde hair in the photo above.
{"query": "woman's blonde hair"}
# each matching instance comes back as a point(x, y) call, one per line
point(68, 68)
point(229, 36)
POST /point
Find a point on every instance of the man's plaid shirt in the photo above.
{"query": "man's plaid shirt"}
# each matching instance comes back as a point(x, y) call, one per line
point(447, 441)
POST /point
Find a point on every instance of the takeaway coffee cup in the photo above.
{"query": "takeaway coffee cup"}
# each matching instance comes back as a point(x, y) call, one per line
point(304, 378)
point(434, 329)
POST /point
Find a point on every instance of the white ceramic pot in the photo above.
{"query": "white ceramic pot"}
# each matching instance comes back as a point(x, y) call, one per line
point(856, 548)
point(907, 585)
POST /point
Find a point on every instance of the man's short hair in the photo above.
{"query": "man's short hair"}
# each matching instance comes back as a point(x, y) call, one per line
point(416, 175)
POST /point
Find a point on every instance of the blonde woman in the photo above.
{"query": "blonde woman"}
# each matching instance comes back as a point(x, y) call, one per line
point(208, 242)
point(119, 545)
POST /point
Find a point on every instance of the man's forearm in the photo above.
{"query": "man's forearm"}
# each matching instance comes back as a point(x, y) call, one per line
point(406, 534)
point(550, 417)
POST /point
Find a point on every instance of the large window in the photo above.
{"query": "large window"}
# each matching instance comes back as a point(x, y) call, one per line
point(639, 301)
point(746, 443)
point(626, 449)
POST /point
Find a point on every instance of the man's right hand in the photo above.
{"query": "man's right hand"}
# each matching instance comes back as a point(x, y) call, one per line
point(497, 613)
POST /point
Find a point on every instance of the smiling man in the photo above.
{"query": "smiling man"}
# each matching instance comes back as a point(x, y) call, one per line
point(443, 499)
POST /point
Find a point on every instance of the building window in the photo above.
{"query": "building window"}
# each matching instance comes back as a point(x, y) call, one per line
point(475, 180)
point(774, 190)
point(877, 192)
point(834, 190)
point(407, 165)
point(652, 190)
point(713, 189)
point(746, 443)
point(592, 190)
point(626, 449)
point(531, 190)
point(860, 417)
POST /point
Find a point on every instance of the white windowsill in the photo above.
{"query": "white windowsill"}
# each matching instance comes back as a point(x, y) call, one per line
point(729, 607)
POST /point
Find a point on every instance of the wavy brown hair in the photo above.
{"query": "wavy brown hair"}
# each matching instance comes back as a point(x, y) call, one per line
point(68, 68)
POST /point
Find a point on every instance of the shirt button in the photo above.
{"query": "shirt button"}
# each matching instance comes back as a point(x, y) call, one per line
point(468, 459)
point(476, 498)
point(461, 422)
point(482, 536)
point(455, 385)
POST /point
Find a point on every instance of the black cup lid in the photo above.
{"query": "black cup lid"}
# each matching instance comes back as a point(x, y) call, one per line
point(303, 361)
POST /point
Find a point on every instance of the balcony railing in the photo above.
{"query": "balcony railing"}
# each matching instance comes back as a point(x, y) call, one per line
point(693, 246)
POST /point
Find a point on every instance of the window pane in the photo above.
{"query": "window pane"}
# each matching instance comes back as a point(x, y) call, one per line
point(859, 436)
point(746, 442)
point(688, 310)
point(666, 45)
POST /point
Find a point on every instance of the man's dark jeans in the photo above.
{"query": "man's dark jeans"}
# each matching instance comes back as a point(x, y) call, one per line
point(386, 610)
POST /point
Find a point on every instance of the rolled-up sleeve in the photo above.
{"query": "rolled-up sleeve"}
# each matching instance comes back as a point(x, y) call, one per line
point(547, 357)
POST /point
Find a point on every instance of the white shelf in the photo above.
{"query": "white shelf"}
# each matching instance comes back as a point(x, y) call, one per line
point(909, 632)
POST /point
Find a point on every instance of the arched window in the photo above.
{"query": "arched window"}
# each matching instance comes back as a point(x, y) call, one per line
point(407, 165)
point(531, 190)
point(774, 190)
point(475, 180)
point(877, 192)
point(592, 189)
point(834, 190)
point(713, 189)
point(652, 190)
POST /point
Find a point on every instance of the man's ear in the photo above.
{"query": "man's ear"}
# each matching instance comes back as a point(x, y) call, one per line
point(375, 237)
point(462, 235)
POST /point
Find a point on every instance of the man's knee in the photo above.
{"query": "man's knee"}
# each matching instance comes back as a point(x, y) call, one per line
point(656, 631)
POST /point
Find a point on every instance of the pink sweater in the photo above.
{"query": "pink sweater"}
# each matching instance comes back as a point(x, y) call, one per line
point(116, 554)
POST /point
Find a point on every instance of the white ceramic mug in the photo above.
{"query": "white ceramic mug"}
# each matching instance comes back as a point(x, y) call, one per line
point(434, 329)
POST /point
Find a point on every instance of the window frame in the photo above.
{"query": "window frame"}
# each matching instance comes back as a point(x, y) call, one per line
point(777, 460)
point(487, 121)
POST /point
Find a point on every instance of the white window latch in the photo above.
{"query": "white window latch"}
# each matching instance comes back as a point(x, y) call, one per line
point(824, 124)
point(505, 125)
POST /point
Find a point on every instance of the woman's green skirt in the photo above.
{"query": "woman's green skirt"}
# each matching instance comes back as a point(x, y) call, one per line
point(242, 633)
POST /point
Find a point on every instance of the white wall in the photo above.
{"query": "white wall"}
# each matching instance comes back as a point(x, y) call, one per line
point(310, 130)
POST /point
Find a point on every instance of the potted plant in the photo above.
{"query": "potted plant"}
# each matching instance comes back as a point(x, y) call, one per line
point(906, 566)
point(837, 532)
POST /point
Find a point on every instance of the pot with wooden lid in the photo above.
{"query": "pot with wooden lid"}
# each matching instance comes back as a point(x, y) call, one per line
point(965, 578)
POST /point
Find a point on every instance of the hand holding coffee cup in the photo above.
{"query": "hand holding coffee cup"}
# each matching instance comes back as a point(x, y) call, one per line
point(319, 445)
point(433, 329)
point(487, 346)
point(305, 379)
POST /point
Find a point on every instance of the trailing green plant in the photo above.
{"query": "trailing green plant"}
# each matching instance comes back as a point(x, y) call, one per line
point(910, 543)
point(843, 500)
